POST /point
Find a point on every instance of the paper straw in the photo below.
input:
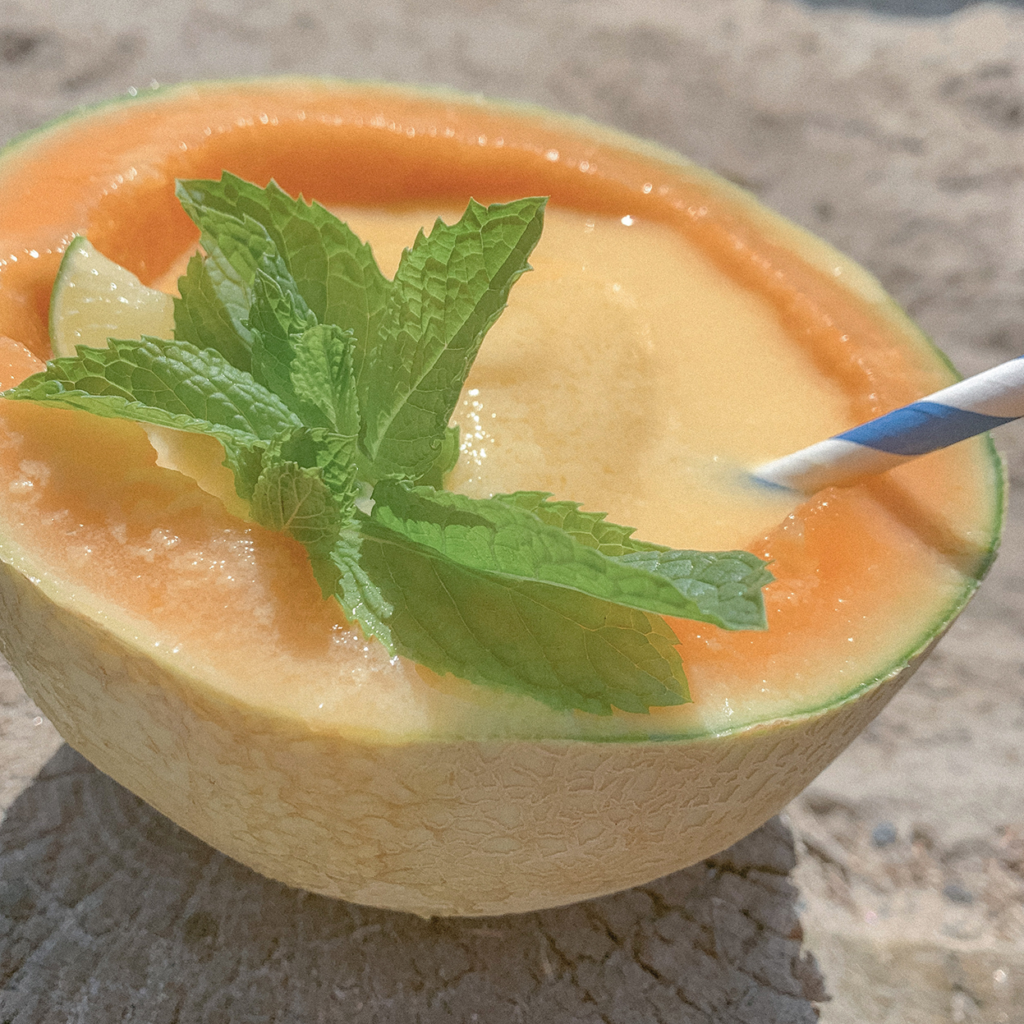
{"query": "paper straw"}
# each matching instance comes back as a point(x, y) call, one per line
point(953, 414)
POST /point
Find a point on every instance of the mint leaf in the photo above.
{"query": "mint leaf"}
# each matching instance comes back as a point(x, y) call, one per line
point(235, 242)
point(588, 528)
point(725, 585)
point(171, 384)
point(216, 291)
point(334, 271)
point(296, 500)
point(565, 649)
point(358, 593)
point(331, 455)
point(324, 375)
point(160, 377)
point(209, 311)
point(447, 457)
point(309, 365)
point(278, 316)
point(498, 538)
point(307, 487)
point(450, 287)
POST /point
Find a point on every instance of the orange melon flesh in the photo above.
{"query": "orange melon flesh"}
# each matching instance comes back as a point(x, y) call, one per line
point(671, 334)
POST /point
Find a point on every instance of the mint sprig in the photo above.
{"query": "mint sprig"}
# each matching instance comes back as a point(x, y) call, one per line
point(326, 383)
point(449, 289)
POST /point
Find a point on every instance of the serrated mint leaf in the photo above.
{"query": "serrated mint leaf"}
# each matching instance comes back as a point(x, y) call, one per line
point(358, 594)
point(218, 292)
point(309, 365)
point(169, 377)
point(169, 384)
point(591, 529)
point(238, 243)
point(334, 271)
point(278, 317)
point(498, 538)
point(568, 650)
point(450, 287)
point(210, 311)
point(323, 374)
point(165, 383)
point(725, 585)
point(295, 500)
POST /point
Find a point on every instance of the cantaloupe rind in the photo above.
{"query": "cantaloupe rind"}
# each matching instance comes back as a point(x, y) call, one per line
point(433, 828)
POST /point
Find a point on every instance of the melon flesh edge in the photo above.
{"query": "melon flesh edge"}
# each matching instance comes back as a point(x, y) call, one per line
point(431, 828)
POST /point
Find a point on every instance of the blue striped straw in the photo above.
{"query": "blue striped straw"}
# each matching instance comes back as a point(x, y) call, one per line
point(953, 414)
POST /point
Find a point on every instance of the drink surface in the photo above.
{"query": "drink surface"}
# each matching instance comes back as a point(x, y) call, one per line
point(630, 374)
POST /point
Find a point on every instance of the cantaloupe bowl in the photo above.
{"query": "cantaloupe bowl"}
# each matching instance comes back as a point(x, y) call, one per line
point(672, 333)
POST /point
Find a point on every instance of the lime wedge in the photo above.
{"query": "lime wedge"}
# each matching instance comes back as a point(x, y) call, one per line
point(95, 299)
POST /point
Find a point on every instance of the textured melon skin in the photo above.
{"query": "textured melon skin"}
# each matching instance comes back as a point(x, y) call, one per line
point(465, 827)
point(433, 828)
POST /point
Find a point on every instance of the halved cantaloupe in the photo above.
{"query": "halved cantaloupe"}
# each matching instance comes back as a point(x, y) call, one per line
point(673, 331)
